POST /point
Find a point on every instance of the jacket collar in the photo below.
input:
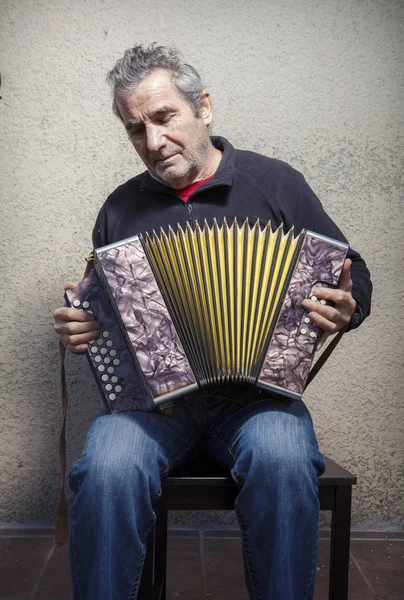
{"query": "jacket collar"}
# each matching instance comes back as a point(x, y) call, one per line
point(222, 177)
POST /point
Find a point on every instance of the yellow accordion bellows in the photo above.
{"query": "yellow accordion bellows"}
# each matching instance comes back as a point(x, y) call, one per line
point(224, 287)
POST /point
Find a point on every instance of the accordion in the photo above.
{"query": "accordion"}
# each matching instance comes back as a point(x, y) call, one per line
point(204, 307)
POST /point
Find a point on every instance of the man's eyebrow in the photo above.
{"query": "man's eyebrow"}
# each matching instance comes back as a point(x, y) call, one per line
point(163, 110)
point(159, 112)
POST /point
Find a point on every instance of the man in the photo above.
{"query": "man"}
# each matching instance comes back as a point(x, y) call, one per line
point(269, 446)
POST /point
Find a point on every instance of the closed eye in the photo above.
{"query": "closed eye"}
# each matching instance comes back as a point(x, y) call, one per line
point(165, 118)
point(135, 129)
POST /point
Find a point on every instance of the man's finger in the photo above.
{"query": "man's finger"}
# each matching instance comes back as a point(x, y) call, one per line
point(69, 285)
point(321, 340)
point(338, 296)
point(77, 349)
point(75, 339)
point(75, 327)
point(69, 313)
point(327, 325)
point(345, 281)
point(329, 312)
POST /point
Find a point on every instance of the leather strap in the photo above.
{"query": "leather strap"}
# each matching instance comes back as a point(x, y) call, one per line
point(62, 516)
point(325, 355)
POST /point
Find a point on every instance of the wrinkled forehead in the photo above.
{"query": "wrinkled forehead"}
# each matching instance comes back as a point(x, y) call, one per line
point(152, 93)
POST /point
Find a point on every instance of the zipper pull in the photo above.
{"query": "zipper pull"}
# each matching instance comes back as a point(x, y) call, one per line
point(190, 215)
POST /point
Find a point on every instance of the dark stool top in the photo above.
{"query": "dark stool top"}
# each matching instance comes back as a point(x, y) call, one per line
point(205, 471)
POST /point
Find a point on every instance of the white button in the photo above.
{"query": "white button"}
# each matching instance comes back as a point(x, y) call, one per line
point(100, 341)
point(105, 377)
point(303, 331)
point(76, 303)
point(105, 334)
point(94, 349)
point(322, 301)
point(109, 343)
point(114, 379)
point(307, 320)
point(91, 341)
point(108, 387)
point(314, 298)
point(101, 368)
point(313, 334)
point(112, 352)
point(103, 351)
point(86, 304)
point(107, 360)
point(118, 388)
point(116, 362)
point(111, 370)
point(98, 358)
point(112, 397)
point(90, 312)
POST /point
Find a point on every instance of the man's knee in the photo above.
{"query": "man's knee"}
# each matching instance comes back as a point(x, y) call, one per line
point(112, 472)
point(275, 454)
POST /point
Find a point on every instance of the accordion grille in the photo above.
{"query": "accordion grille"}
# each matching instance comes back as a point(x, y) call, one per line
point(224, 288)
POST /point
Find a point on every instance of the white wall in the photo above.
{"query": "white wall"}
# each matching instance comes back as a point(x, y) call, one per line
point(318, 84)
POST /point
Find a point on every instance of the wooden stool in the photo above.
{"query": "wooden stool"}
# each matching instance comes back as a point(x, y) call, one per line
point(205, 485)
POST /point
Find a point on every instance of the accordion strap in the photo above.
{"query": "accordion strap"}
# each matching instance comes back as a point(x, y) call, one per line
point(325, 355)
point(62, 517)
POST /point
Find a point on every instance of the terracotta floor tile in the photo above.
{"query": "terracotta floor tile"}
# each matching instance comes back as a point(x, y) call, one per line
point(324, 534)
point(376, 569)
point(184, 572)
point(396, 535)
point(55, 581)
point(190, 533)
point(22, 560)
point(382, 563)
point(224, 569)
point(224, 533)
point(357, 590)
point(369, 535)
point(26, 532)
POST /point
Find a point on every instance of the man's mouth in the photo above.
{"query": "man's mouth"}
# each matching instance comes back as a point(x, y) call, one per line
point(162, 160)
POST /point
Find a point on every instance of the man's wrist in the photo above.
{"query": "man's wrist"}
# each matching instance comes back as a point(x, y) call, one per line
point(356, 318)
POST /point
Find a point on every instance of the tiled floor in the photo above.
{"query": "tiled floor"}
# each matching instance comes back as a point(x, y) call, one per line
point(201, 564)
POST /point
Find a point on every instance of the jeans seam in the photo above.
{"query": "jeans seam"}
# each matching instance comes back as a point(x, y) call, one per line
point(238, 478)
point(313, 561)
point(184, 448)
point(251, 568)
point(144, 540)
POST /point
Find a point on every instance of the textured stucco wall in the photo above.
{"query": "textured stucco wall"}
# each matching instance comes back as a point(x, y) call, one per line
point(317, 84)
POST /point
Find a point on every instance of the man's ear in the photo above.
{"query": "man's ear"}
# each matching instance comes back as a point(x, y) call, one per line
point(206, 108)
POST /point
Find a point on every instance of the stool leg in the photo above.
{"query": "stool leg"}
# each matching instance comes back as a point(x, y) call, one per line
point(160, 564)
point(340, 540)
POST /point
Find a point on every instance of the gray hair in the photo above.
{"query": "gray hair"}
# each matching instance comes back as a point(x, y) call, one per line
point(138, 62)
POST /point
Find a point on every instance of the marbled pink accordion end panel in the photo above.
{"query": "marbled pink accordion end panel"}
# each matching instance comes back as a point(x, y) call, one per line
point(121, 386)
point(146, 319)
point(291, 351)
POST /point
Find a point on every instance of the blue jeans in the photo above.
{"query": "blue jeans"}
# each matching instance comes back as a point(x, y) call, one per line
point(271, 450)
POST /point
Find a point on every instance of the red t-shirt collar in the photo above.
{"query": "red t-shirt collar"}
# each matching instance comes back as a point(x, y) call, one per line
point(185, 192)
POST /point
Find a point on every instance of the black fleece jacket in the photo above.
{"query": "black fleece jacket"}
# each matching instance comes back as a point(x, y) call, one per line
point(245, 185)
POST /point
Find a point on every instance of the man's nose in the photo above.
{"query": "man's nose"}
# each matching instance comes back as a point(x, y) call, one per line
point(154, 138)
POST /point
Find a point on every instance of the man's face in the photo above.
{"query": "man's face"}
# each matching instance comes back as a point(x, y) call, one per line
point(170, 139)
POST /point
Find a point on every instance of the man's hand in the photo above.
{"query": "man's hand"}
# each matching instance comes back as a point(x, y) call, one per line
point(332, 319)
point(74, 327)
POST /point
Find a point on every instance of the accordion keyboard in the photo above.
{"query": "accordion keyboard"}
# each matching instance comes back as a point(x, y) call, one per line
point(119, 384)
